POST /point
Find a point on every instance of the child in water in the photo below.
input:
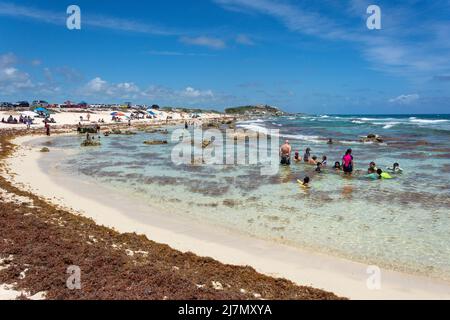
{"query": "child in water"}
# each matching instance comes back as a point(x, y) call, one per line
point(306, 182)
point(383, 175)
point(372, 167)
point(319, 167)
point(324, 161)
point(372, 174)
point(297, 157)
point(337, 166)
point(313, 161)
point(396, 168)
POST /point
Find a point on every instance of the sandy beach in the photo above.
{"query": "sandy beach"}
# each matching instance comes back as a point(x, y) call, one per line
point(340, 276)
point(43, 235)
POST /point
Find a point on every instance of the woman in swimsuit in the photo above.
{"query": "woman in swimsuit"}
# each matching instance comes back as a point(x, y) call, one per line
point(347, 162)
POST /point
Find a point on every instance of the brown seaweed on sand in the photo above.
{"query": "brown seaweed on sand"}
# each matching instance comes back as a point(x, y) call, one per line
point(46, 240)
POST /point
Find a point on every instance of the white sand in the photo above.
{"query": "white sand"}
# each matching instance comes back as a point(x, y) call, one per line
point(73, 118)
point(340, 276)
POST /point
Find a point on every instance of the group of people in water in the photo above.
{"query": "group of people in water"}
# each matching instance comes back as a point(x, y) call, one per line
point(346, 166)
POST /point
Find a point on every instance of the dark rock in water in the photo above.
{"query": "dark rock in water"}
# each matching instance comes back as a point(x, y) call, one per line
point(211, 125)
point(129, 133)
point(116, 131)
point(372, 138)
point(45, 149)
point(90, 143)
point(88, 130)
point(155, 142)
point(165, 131)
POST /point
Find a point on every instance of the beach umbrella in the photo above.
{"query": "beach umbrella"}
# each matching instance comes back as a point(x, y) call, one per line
point(41, 109)
point(118, 114)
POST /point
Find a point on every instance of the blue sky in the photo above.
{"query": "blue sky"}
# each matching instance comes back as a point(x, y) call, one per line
point(303, 56)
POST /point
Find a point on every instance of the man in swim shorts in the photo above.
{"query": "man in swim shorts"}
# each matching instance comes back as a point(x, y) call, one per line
point(285, 153)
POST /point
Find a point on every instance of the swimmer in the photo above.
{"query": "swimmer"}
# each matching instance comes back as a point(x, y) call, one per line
point(372, 166)
point(319, 167)
point(337, 166)
point(330, 141)
point(297, 157)
point(372, 174)
point(313, 161)
point(396, 168)
point(305, 182)
point(383, 175)
point(307, 155)
point(324, 161)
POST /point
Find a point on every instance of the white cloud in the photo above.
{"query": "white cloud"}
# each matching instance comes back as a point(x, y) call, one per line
point(210, 42)
point(100, 89)
point(393, 50)
point(104, 22)
point(190, 92)
point(7, 59)
point(245, 40)
point(96, 85)
point(12, 80)
point(405, 99)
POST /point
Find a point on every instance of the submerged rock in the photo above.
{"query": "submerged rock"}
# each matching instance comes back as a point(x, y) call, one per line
point(45, 149)
point(90, 143)
point(155, 142)
point(165, 131)
point(372, 138)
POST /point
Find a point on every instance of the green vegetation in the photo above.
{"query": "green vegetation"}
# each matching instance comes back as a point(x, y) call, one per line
point(189, 110)
point(254, 110)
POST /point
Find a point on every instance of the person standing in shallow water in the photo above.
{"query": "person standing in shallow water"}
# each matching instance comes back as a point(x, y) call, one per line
point(285, 153)
point(347, 162)
point(307, 155)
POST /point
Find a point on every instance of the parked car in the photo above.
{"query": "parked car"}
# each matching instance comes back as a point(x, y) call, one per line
point(6, 105)
point(22, 104)
point(40, 103)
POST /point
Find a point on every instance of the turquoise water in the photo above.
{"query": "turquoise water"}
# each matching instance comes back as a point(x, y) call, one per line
point(401, 224)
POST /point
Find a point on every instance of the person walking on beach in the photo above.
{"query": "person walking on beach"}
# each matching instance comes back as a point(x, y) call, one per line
point(47, 128)
point(347, 162)
point(285, 153)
